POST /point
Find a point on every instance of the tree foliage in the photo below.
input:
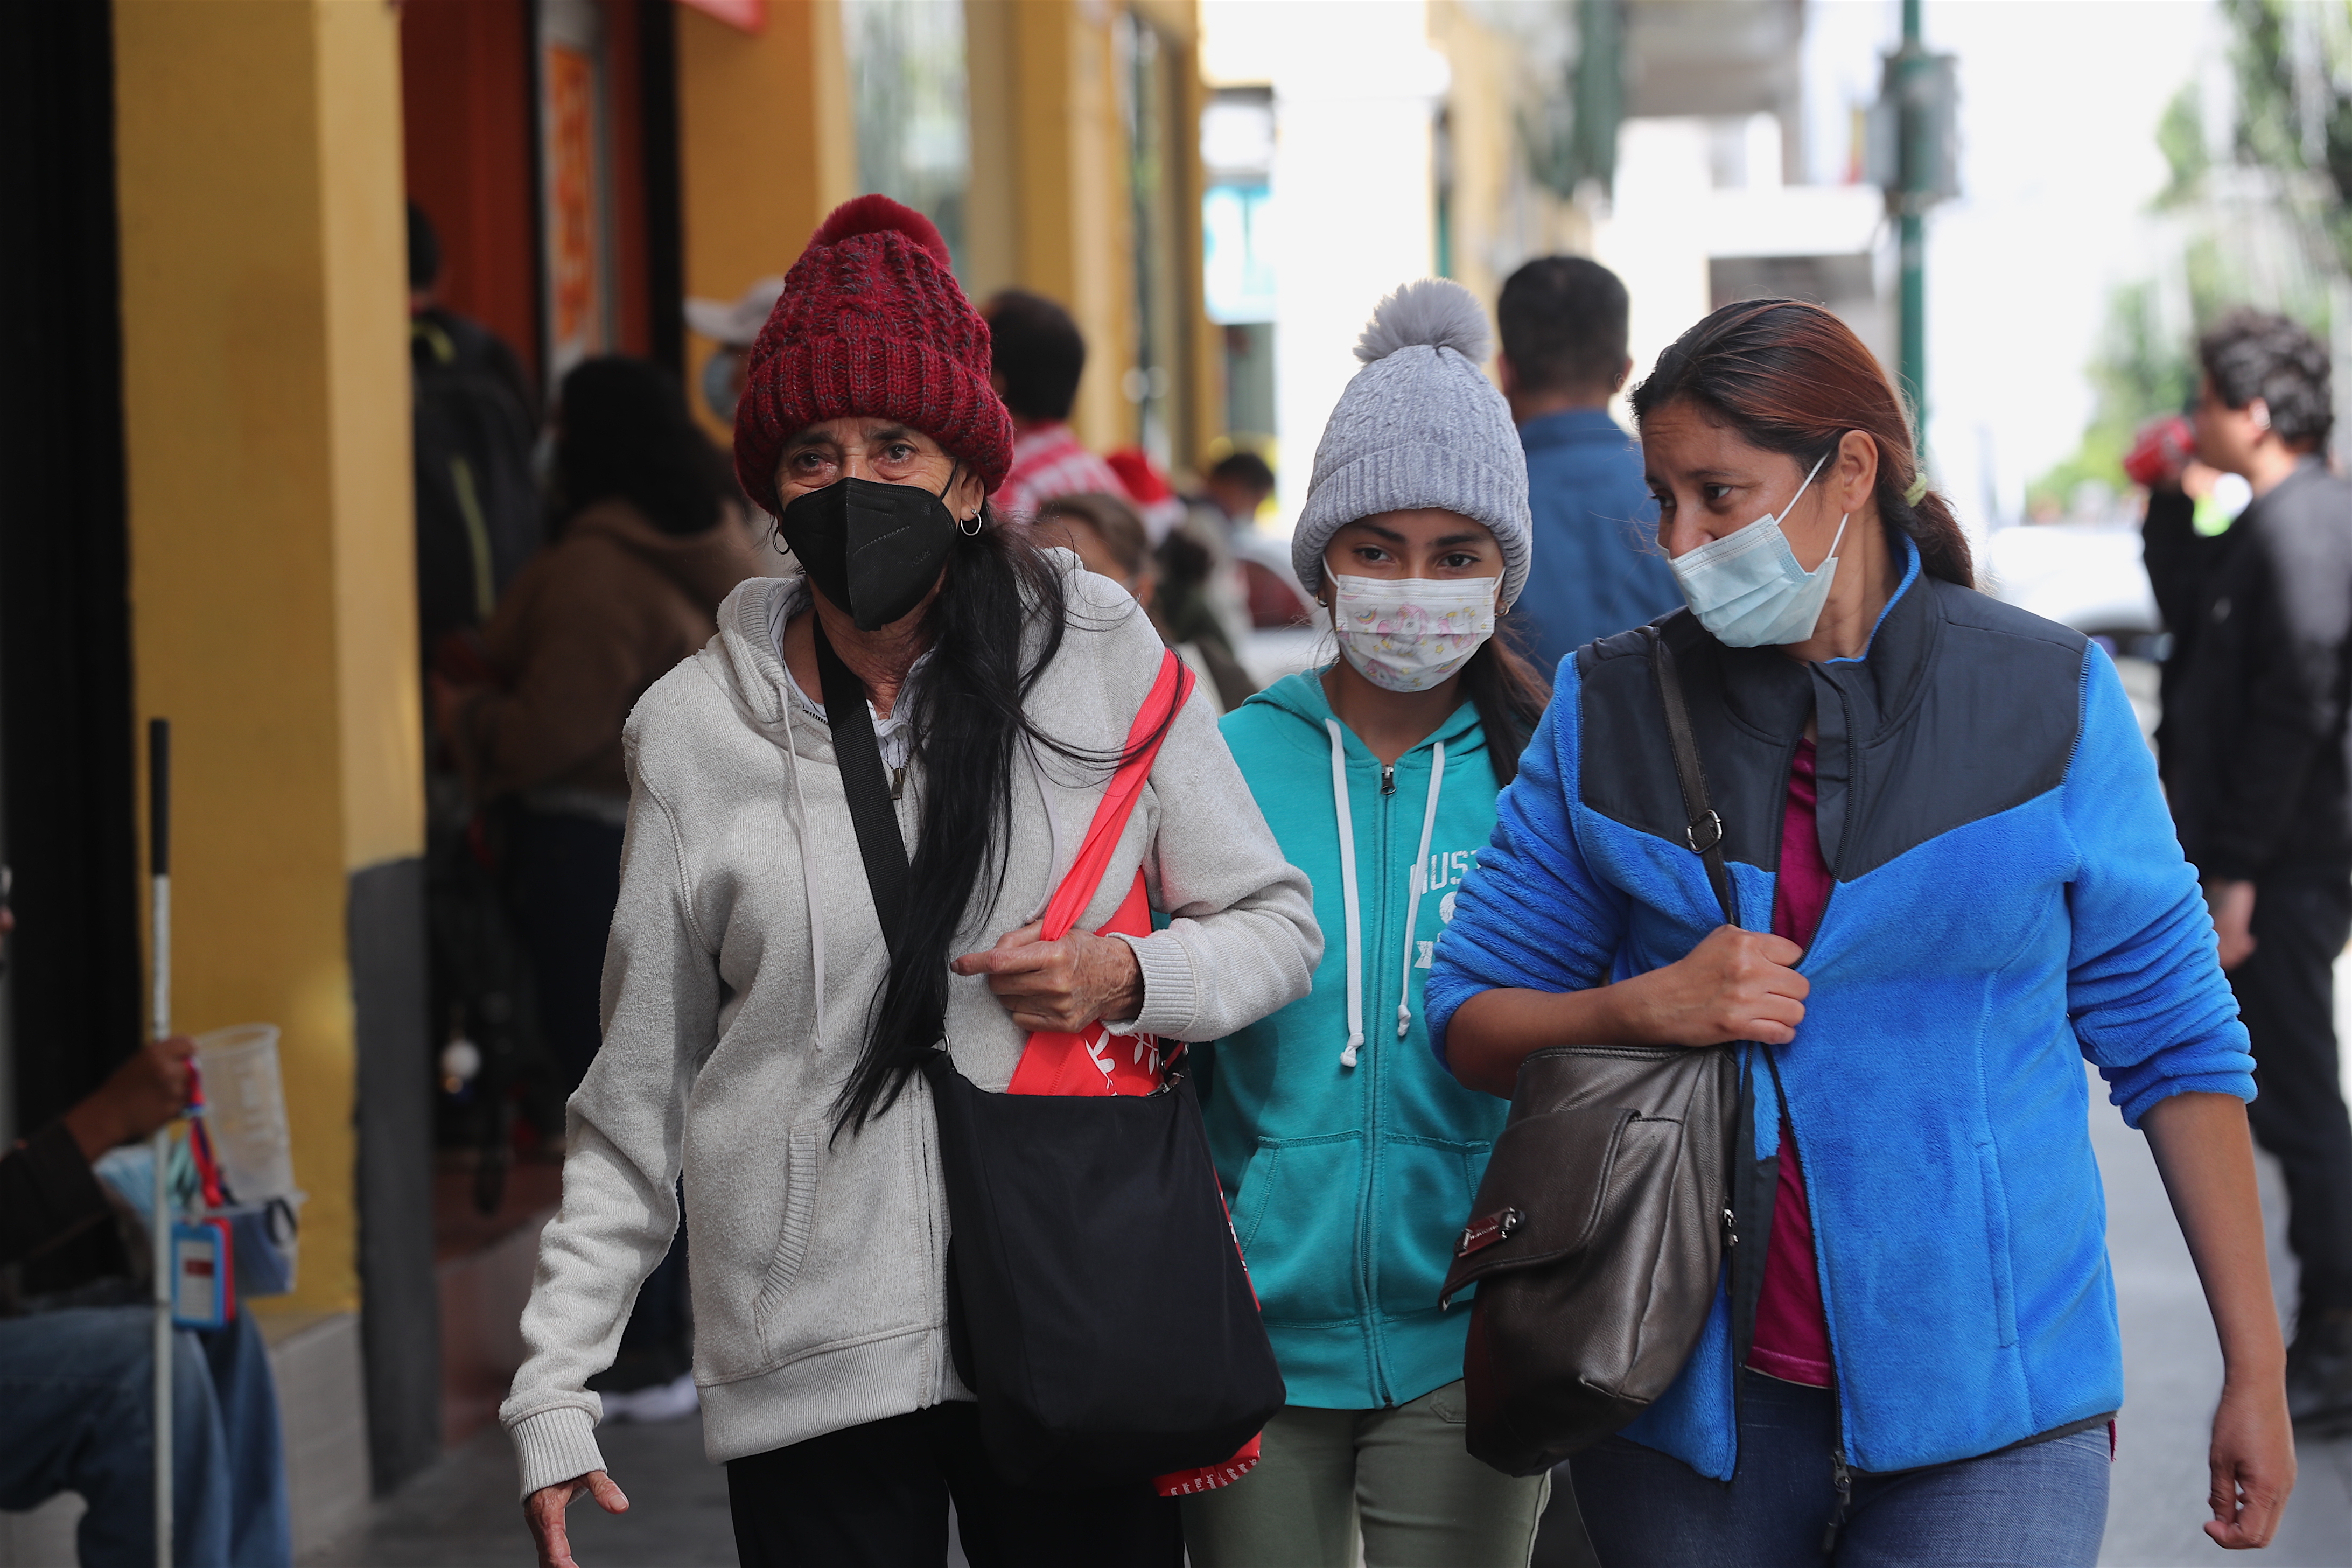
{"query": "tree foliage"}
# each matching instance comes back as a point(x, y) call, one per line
point(2259, 214)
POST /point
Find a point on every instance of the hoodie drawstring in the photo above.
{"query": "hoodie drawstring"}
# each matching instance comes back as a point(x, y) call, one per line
point(1420, 884)
point(1348, 891)
point(808, 876)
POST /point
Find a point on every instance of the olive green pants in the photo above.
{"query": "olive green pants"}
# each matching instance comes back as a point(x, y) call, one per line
point(1400, 1475)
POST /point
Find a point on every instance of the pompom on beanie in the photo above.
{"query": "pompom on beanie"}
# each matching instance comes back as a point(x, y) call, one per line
point(1420, 425)
point(871, 323)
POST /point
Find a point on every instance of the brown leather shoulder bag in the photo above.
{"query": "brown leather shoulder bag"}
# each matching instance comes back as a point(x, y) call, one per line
point(1598, 1233)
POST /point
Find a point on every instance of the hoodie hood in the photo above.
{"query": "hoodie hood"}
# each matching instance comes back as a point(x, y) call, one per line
point(705, 566)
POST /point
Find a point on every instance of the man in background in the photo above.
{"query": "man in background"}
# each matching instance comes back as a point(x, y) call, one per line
point(1598, 568)
point(2255, 767)
point(1038, 356)
point(1238, 486)
point(477, 504)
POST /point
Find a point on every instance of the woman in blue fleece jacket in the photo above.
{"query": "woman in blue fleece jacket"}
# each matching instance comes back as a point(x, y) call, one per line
point(1943, 811)
point(1348, 1154)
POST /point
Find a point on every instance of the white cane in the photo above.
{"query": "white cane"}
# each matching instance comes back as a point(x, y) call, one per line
point(159, 856)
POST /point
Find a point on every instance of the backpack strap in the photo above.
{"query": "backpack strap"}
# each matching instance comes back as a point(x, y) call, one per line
point(1168, 694)
point(1705, 830)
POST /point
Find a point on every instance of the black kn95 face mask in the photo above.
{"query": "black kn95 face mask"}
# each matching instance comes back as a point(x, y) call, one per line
point(873, 550)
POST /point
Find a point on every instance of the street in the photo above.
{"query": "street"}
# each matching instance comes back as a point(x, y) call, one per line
point(461, 1513)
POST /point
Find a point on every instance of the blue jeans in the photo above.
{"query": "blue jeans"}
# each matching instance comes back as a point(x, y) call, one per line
point(77, 1385)
point(2041, 1505)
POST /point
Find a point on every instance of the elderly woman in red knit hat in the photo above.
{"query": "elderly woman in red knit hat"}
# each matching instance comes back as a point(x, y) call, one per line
point(762, 1036)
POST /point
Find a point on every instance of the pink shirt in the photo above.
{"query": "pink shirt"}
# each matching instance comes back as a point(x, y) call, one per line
point(1792, 1334)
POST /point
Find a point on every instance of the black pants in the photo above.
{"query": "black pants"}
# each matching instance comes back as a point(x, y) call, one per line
point(2286, 995)
point(875, 1496)
point(567, 874)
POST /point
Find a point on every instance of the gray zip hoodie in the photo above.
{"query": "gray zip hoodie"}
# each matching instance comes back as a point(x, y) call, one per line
point(744, 955)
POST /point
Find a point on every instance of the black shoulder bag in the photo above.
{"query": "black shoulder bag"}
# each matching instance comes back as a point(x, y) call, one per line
point(1097, 1300)
point(1597, 1236)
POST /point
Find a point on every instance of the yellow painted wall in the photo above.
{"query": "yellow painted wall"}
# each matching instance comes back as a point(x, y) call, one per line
point(273, 596)
point(766, 147)
point(1049, 199)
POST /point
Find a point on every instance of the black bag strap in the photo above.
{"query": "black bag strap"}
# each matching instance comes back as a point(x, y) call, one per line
point(1705, 830)
point(866, 787)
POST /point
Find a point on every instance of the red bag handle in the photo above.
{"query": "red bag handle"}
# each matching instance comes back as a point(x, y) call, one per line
point(1168, 694)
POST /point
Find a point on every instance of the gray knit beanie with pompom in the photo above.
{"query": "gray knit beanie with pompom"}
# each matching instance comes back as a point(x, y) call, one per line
point(1420, 425)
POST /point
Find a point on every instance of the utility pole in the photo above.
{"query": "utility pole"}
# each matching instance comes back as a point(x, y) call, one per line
point(1913, 158)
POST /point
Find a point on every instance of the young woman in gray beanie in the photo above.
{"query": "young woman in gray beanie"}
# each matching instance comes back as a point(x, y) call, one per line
point(1350, 1157)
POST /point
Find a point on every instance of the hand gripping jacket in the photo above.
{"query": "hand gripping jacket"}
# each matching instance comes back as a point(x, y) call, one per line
point(2009, 899)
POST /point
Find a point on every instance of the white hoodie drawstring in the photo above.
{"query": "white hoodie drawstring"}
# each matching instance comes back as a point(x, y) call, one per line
point(1420, 884)
point(808, 878)
point(1347, 892)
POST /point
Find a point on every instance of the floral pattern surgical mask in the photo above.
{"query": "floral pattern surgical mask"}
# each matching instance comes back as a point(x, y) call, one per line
point(1408, 634)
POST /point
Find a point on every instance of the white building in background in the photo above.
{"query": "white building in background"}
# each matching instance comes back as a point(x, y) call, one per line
point(1352, 146)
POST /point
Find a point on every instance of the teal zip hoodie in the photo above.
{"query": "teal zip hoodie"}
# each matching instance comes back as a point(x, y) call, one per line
point(1349, 1155)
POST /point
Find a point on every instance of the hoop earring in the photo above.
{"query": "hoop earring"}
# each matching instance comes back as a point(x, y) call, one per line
point(973, 531)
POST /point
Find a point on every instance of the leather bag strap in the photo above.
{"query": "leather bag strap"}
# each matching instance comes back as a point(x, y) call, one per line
point(858, 754)
point(1704, 831)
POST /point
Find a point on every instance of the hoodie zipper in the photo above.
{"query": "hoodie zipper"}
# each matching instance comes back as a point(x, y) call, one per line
point(1367, 1269)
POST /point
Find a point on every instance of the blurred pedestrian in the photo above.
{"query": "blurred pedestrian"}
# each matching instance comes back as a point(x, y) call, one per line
point(2257, 773)
point(645, 546)
point(1235, 491)
point(1597, 568)
point(477, 506)
point(1945, 806)
point(1239, 484)
point(647, 542)
point(1348, 1154)
point(1110, 539)
point(1036, 356)
point(766, 1034)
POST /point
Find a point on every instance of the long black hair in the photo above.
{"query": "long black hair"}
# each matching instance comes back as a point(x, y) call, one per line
point(967, 704)
point(624, 431)
point(1510, 694)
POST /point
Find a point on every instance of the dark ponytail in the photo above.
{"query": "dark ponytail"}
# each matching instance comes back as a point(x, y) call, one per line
point(1791, 377)
point(1509, 693)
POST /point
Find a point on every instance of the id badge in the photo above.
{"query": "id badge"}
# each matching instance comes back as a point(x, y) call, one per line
point(203, 1292)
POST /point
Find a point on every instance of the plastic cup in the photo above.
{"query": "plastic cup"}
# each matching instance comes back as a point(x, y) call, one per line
point(245, 1111)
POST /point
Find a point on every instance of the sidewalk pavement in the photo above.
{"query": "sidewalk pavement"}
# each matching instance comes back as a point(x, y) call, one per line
point(2172, 1376)
point(462, 1513)
point(2172, 1367)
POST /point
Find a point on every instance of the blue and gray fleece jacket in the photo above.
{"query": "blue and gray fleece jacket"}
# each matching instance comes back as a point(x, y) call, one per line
point(2009, 898)
point(1348, 1152)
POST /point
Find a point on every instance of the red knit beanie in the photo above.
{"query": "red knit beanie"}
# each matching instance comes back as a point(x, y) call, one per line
point(871, 323)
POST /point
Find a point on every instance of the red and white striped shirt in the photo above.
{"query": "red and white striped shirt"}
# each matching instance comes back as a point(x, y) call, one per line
point(1048, 462)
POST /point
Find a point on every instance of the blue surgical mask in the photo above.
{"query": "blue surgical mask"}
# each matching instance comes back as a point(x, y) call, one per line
point(1747, 588)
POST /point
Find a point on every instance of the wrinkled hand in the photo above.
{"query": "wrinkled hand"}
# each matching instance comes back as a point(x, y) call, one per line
point(1061, 985)
point(2253, 1463)
point(1735, 985)
point(544, 1511)
point(2232, 904)
point(140, 1096)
